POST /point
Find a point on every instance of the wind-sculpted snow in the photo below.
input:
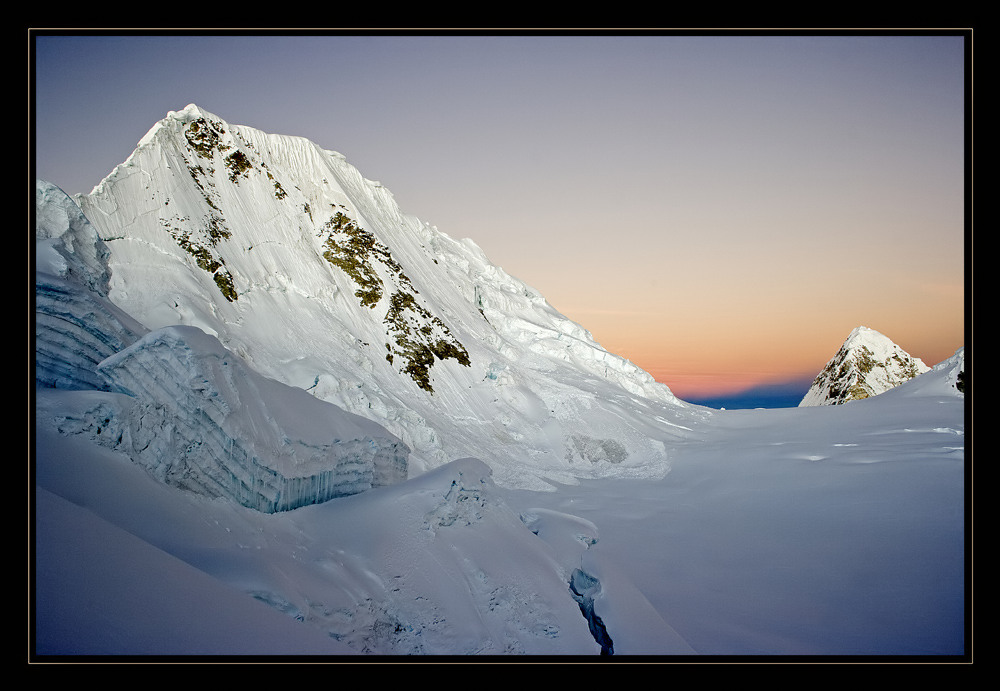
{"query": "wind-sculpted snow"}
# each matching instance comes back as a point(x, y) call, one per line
point(205, 422)
point(311, 273)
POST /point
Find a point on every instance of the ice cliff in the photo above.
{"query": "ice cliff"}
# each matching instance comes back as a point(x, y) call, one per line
point(204, 421)
point(76, 326)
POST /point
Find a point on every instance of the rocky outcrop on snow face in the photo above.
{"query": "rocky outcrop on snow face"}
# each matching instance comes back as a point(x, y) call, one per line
point(203, 421)
point(947, 378)
point(867, 364)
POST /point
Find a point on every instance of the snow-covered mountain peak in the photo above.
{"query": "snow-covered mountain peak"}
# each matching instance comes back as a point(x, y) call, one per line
point(867, 364)
point(177, 118)
point(312, 274)
point(868, 337)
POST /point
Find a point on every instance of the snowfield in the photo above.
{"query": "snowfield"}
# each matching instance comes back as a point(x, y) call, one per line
point(274, 416)
point(815, 531)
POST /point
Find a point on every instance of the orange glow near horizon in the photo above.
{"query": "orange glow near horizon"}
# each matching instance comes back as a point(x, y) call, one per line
point(715, 358)
point(712, 311)
point(699, 385)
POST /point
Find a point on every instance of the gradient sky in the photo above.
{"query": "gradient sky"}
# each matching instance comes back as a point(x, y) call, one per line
point(722, 210)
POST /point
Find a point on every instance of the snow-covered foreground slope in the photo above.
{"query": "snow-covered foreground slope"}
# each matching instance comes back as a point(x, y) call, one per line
point(438, 564)
point(816, 531)
point(805, 531)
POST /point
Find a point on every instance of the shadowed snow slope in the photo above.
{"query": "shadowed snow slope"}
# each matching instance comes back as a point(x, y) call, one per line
point(435, 565)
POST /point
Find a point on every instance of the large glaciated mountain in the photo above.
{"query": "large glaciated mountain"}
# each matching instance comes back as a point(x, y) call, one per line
point(313, 276)
point(867, 364)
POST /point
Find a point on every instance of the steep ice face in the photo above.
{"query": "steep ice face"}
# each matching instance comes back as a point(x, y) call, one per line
point(203, 421)
point(867, 364)
point(76, 326)
point(66, 244)
point(194, 414)
point(74, 331)
point(311, 274)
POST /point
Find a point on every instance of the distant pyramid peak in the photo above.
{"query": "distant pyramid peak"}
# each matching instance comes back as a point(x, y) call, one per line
point(867, 364)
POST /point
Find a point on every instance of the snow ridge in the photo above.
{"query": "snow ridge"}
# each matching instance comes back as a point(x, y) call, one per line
point(66, 244)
